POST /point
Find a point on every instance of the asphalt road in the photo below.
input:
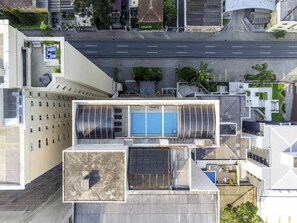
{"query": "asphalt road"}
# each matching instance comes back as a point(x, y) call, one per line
point(177, 49)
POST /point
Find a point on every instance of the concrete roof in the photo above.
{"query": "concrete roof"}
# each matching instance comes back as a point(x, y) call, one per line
point(15, 3)
point(199, 180)
point(281, 139)
point(204, 13)
point(156, 206)
point(288, 10)
point(232, 5)
point(105, 169)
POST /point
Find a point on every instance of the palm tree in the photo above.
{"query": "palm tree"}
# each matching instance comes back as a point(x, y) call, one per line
point(202, 76)
point(263, 73)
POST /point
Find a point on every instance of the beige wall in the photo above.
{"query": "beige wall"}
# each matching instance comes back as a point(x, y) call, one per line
point(80, 69)
point(9, 155)
point(40, 160)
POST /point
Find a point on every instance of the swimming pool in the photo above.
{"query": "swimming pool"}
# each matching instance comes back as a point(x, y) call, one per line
point(211, 175)
point(151, 123)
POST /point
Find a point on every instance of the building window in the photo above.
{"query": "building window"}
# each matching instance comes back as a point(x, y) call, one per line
point(40, 104)
point(40, 117)
point(59, 104)
point(54, 116)
point(46, 104)
point(31, 146)
point(64, 115)
point(38, 95)
point(53, 139)
point(31, 129)
point(32, 118)
point(64, 104)
point(54, 104)
point(63, 124)
point(68, 114)
point(64, 88)
point(31, 94)
point(53, 126)
point(39, 144)
point(39, 128)
point(47, 116)
point(59, 138)
point(46, 141)
point(59, 115)
point(46, 127)
point(58, 86)
point(68, 135)
point(46, 95)
point(32, 103)
point(59, 125)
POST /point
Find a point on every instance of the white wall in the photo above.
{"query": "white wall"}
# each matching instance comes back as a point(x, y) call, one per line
point(80, 69)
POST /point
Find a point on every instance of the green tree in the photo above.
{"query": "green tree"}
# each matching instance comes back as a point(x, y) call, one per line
point(245, 213)
point(170, 12)
point(186, 73)
point(100, 8)
point(202, 76)
point(263, 73)
point(147, 73)
point(279, 34)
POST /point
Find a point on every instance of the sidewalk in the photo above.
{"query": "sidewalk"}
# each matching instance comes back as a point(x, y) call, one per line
point(165, 36)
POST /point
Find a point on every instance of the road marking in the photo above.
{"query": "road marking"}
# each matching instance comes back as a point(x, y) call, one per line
point(181, 52)
point(265, 52)
point(91, 45)
point(292, 52)
point(209, 52)
point(90, 51)
point(183, 46)
point(265, 46)
point(122, 45)
point(121, 52)
point(236, 52)
point(237, 46)
point(292, 46)
point(209, 46)
point(152, 52)
point(151, 46)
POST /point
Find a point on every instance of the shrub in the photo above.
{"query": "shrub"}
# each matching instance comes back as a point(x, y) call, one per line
point(147, 73)
point(150, 25)
point(186, 73)
point(279, 34)
point(59, 53)
point(56, 69)
point(248, 93)
point(48, 42)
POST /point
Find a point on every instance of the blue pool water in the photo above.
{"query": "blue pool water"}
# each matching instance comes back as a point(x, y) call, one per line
point(152, 123)
point(211, 175)
point(50, 52)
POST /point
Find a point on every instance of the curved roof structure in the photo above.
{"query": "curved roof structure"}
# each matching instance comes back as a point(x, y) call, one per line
point(232, 5)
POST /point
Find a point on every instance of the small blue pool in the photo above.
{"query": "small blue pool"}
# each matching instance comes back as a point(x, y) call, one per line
point(151, 123)
point(50, 52)
point(211, 175)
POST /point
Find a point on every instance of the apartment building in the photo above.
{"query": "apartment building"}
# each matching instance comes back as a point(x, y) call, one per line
point(271, 167)
point(40, 77)
point(131, 161)
point(284, 17)
point(232, 5)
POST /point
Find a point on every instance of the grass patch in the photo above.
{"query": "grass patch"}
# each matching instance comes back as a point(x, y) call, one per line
point(37, 18)
point(248, 93)
point(150, 26)
point(277, 117)
point(276, 91)
point(260, 85)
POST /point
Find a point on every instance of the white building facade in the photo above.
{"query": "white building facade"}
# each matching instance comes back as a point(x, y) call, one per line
point(35, 96)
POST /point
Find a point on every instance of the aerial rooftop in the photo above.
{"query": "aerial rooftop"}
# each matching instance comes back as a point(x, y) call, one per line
point(94, 175)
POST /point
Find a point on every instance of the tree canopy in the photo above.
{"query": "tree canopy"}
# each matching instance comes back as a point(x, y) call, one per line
point(279, 34)
point(147, 73)
point(263, 73)
point(170, 12)
point(244, 213)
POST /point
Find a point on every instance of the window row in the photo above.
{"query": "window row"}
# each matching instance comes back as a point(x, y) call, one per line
point(53, 126)
point(47, 141)
point(59, 104)
point(65, 115)
point(32, 94)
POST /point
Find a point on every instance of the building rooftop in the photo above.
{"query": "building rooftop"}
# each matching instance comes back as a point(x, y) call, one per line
point(15, 3)
point(165, 207)
point(288, 10)
point(176, 120)
point(204, 13)
point(94, 175)
point(150, 11)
